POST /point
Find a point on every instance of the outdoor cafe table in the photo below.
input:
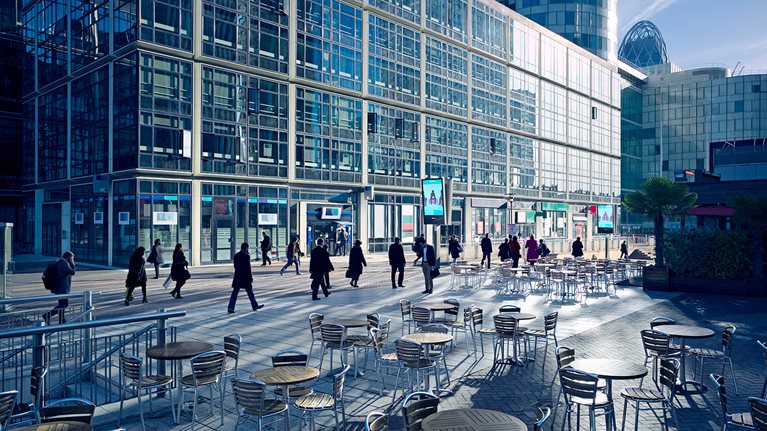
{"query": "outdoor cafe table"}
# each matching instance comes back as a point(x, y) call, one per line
point(349, 323)
point(683, 332)
point(57, 426)
point(464, 271)
point(427, 339)
point(472, 420)
point(519, 317)
point(611, 369)
point(178, 351)
point(285, 376)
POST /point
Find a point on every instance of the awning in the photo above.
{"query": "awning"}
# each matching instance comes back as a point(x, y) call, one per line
point(717, 211)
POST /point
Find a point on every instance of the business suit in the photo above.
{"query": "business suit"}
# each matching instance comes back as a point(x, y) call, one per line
point(429, 262)
point(397, 262)
point(318, 266)
point(243, 279)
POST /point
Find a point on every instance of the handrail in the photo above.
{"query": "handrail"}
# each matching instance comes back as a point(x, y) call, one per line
point(15, 352)
point(41, 330)
point(22, 300)
point(84, 313)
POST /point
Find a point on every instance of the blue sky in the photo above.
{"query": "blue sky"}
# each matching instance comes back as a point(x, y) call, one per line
point(701, 32)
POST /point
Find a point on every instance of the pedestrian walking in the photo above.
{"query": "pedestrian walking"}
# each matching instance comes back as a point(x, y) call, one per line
point(291, 252)
point(543, 249)
point(356, 262)
point(532, 249)
point(487, 249)
point(136, 276)
point(326, 279)
point(624, 251)
point(515, 251)
point(341, 242)
point(418, 249)
point(318, 266)
point(503, 250)
point(266, 248)
point(65, 269)
point(243, 278)
point(179, 271)
point(428, 263)
point(454, 248)
point(156, 257)
point(577, 247)
point(397, 262)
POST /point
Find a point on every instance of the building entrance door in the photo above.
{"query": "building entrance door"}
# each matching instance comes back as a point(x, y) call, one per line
point(51, 230)
point(223, 239)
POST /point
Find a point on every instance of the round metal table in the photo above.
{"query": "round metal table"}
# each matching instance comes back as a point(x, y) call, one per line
point(57, 426)
point(610, 369)
point(349, 323)
point(683, 332)
point(520, 316)
point(472, 420)
point(435, 306)
point(285, 376)
point(429, 338)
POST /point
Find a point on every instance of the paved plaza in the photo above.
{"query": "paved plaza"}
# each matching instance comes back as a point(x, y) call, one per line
point(601, 326)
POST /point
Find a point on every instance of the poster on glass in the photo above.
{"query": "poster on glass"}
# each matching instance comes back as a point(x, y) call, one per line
point(433, 193)
point(605, 218)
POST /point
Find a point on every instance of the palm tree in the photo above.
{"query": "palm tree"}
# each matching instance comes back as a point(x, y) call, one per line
point(659, 197)
point(751, 216)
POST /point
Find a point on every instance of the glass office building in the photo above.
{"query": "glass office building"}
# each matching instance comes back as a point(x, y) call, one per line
point(207, 122)
point(591, 24)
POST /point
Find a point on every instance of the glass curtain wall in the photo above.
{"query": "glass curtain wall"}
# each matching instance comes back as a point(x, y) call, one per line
point(165, 212)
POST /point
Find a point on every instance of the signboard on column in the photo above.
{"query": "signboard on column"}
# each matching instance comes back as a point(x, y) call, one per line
point(433, 193)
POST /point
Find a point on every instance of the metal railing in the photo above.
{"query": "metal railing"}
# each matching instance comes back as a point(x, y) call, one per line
point(79, 366)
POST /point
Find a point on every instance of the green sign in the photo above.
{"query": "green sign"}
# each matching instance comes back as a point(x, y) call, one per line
point(530, 216)
point(554, 206)
point(543, 214)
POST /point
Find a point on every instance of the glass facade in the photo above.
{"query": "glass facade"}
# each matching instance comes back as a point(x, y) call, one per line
point(209, 138)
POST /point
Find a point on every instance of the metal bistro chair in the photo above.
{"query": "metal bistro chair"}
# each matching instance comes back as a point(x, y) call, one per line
point(451, 315)
point(416, 407)
point(287, 358)
point(28, 412)
point(758, 413)
point(542, 414)
point(477, 316)
point(763, 345)
point(334, 338)
point(315, 321)
point(250, 397)
point(725, 354)
point(382, 359)
point(68, 409)
point(581, 389)
point(133, 379)
point(412, 360)
point(549, 332)
point(464, 326)
point(407, 319)
point(437, 352)
point(669, 369)
point(232, 345)
point(206, 371)
point(657, 346)
point(377, 422)
point(317, 402)
point(421, 316)
point(7, 401)
point(506, 330)
point(742, 420)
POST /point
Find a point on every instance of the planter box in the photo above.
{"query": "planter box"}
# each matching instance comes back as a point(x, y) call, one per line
point(655, 278)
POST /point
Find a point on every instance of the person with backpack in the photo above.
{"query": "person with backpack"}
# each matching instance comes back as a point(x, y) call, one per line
point(179, 271)
point(292, 253)
point(418, 249)
point(503, 250)
point(266, 247)
point(543, 249)
point(155, 257)
point(136, 276)
point(58, 279)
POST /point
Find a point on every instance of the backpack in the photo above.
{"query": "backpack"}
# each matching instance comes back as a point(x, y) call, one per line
point(415, 247)
point(51, 276)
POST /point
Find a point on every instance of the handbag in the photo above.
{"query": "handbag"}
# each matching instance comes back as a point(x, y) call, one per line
point(349, 273)
point(166, 283)
point(435, 273)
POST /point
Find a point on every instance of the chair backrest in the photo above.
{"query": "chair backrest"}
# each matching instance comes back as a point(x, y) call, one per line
point(477, 316)
point(7, 401)
point(727, 334)
point(505, 325)
point(421, 315)
point(377, 422)
point(758, 413)
point(68, 409)
point(565, 356)
point(333, 333)
point(131, 366)
point(378, 341)
point(404, 307)
point(374, 320)
point(453, 312)
point(338, 384)
point(661, 321)
point(385, 328)
point(550, 322)
point(669, 369)
point(721, 390)
point(207, 367)
point(655, 342)
point(232, 346)
point(286, 358)
point(315, 321)
point(249, 394)
point(468, 316)
point(408, 352)
point(509, 309)
point(416, 407)
point(541, 416)
point(578, 384)
point(435, 327)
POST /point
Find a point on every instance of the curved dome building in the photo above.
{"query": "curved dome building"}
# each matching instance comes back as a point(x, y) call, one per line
point(643, 45)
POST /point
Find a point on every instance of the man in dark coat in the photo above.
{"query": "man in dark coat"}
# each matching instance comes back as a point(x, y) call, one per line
point(577, 247)
point(397, 262)
point(65, 269)
point(487, 250)
point(318, 266)
point(243, 279)
point(429, 262)
point(266, 248)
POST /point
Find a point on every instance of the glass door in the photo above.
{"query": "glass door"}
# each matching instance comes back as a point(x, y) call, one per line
point(223, 240)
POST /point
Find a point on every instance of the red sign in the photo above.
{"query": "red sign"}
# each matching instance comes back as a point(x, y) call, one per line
point(221, 206)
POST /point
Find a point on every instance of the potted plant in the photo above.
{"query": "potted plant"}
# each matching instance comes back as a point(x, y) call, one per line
point(751, 216)
point(659, 197)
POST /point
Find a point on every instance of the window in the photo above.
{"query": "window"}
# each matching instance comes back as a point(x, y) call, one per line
point(167, 22)
point(447, 17)
point(488, 29)
point(407, 9)
point(394, 65)
point(447, 150)
point(393, 159)
point(489, 93)
point(446, 76)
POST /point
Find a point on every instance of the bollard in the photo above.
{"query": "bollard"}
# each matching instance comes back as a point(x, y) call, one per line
point(38, 348)
point(161, 340)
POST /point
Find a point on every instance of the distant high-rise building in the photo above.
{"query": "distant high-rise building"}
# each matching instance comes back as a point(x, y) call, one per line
point(591, 24)
point(643, 46)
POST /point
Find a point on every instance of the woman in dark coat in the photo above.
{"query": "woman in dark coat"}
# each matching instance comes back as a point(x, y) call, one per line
point(179, 271)
point(356, 262)
point(136, 275)
point(454, 247)
point(515, 251)
point(503, 250)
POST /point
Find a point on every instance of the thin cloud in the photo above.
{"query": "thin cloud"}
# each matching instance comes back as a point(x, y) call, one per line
point(647, 12)
point(756, 45)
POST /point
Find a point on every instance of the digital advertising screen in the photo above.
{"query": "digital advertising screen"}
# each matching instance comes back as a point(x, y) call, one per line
point(605, 219)
point(433, 191)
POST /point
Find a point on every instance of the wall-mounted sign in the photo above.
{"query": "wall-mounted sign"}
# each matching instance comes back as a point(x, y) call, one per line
point(221, 206)
point(164, 218)
point(267, 219)
point(605, 219)
point(433, 194)
point(329, 213)
point(123, 217)
point(79, 218)
point(98, 217)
